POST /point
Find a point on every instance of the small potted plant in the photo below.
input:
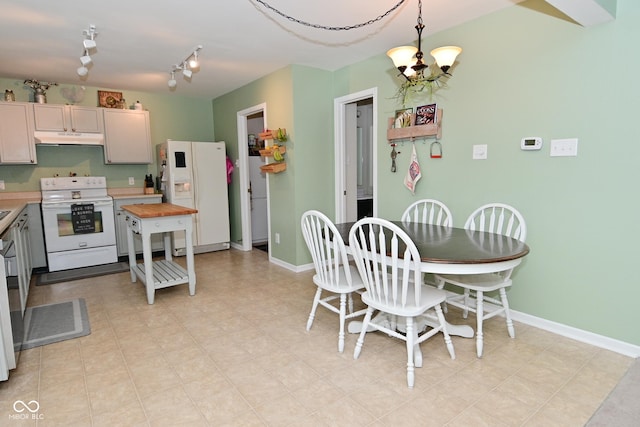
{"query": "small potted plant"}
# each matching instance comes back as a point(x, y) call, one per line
point(39, 88)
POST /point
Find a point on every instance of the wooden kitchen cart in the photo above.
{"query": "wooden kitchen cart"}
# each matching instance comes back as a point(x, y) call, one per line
point(147, 219)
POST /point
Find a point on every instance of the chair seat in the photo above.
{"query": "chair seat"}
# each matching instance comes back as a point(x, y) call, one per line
point(429, 297)
point(477, 282)
point(344, 287)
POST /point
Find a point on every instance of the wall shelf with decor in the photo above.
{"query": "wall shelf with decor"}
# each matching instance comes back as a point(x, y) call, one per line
point(415, 131)
point(274, 167)
point(268, 152)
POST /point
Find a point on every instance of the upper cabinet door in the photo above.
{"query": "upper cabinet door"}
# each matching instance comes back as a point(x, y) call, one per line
point(86, 119)
point(127, 136)
point(17, 145)
point(67, 118)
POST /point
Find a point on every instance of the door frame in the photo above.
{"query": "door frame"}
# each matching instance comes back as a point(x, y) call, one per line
point(243, 163)
point(339, 119)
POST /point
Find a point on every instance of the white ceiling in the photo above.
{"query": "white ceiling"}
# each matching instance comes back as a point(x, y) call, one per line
point(138, 41)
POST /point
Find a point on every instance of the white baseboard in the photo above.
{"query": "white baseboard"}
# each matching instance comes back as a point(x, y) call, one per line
point(587, 337)
point(601, 341)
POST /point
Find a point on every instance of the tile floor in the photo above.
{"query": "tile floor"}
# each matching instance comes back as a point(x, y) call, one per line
point(237, 354)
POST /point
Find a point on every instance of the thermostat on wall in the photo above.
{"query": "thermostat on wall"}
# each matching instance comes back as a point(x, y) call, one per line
point(531, 143)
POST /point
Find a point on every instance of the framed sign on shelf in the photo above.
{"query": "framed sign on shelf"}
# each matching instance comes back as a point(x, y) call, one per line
point(109, 99)
point(426, 114)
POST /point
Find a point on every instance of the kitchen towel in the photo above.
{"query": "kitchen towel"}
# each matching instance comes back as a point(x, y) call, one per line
point(413, 174)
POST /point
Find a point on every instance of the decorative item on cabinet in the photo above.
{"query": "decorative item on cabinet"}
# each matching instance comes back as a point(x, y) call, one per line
point(39, 90)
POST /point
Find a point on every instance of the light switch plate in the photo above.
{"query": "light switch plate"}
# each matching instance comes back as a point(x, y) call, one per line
point(1, 184)
point(563, 147)
point(480, 152)
point(132, 181)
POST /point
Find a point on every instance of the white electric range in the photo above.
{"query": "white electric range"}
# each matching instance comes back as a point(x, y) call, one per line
point(78, 221)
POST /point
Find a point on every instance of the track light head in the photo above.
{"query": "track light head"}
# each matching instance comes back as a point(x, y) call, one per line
point(85, 59)
point(186, 71)
point(172, 81)
point(89, 44)
point(193, 62)
point(82, 71)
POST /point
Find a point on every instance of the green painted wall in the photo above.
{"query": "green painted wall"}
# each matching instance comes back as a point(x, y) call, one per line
point(171, 116)
point(306, 111)
point(524, 71)
point(276, 91)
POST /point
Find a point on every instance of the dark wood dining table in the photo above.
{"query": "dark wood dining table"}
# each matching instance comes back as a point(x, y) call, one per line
point(451, 250)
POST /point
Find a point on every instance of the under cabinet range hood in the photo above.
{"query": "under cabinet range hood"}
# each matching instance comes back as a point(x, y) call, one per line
point(68, 138)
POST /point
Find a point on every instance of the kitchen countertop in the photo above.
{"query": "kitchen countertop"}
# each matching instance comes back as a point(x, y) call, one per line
point(153, 210)
point(15, 206)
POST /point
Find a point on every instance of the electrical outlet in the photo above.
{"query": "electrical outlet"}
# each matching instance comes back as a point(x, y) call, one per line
point(277, 236)
point(132, 181)
point(480, 152)
point(1, 184)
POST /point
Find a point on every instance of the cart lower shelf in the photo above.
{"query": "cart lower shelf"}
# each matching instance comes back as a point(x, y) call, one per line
point(165, 273)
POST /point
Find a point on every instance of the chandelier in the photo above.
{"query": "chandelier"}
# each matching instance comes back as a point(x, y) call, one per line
point(408, 59)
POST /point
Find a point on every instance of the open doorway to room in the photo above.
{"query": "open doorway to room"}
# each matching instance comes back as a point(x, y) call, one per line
point(254, 186)
point(257, 184)
point(355, 118)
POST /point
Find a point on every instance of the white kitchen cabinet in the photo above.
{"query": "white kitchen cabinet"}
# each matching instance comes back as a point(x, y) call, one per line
point(68, 118)
point(127, 136)
point(36, 236)
point(17, 145)
point(20, 236)
point(157, 243)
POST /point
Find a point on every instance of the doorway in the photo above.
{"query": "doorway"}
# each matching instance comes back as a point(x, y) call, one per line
point(257, 184)
point(255, 222)
point(356, 156)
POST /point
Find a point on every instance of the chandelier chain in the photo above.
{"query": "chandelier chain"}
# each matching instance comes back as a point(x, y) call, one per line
point(332, 28)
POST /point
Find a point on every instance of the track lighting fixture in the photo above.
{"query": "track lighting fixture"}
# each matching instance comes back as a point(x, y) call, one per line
point(88, 43)
point(187, 66)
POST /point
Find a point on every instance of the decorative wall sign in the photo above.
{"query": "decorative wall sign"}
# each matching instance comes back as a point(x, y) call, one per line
point(109, 99)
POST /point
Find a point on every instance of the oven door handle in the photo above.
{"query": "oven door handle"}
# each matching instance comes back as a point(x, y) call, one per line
point(65, 204)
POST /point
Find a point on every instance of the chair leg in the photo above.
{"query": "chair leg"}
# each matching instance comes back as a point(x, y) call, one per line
point(342, 314)
point(417, 351)
point(447, 338)
point(440, 285)
point(479, 319)
point(507, 312)
point(312, 315)
point(465, 311)
point(350, 302)
point(410, 352)
point(363, 332)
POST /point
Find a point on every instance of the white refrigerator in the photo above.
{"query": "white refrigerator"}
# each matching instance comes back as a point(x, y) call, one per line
point(195, 176)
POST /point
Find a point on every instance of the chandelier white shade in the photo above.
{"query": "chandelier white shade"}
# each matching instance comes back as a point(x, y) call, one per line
point(409, 59)
point(445, 56)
